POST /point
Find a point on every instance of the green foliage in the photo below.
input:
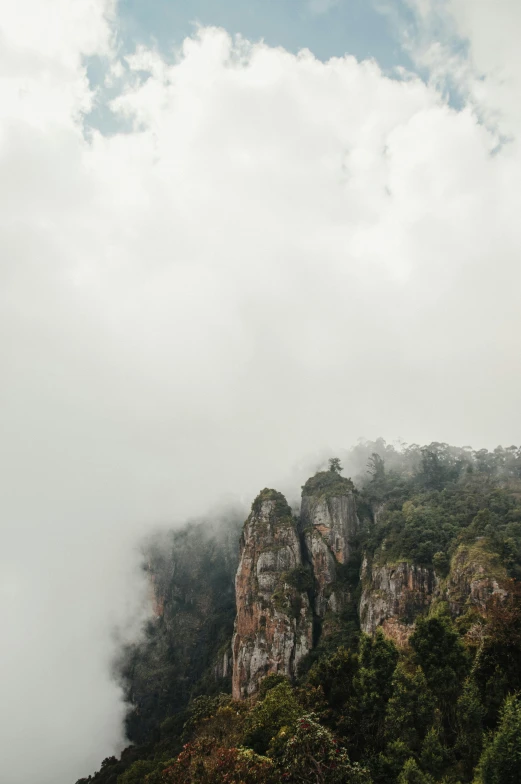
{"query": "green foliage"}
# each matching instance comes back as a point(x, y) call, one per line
point(313, 755)
point(334, 675)
point(386, 767)
point(500, 762)
point(469, 717)
point(433, 502)
point(300, 578)
point(442, 657)
point(372, 687)
point(376, 469)
point(201, 708)
point(327, 484)
point(497, 666)
point(426, 712)
point(433, 754)
point(278, 709)
point(204, 762)
point(412, 774)
point(281, 508)
point(441, 563)
point(269, 682)
point(137, 772)
point(334, 465)
point(410, 710)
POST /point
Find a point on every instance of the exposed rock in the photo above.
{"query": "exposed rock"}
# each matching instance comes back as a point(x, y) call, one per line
point(273, 628)
point(329, 523)
point(398, 591)
point(324, 569)
point(334, 517)
point(475, 575)
point(224, 665)
point(394, 594)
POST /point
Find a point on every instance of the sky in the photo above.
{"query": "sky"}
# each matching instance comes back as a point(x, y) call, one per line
point(226, 247)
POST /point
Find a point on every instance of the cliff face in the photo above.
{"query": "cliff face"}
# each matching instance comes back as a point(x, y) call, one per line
point(191, 574)
point(324, 567)
point(273, 627)
point(329, 524)
point(475, 575)
point(334, 517)
point(393, 595)
point(288, 575)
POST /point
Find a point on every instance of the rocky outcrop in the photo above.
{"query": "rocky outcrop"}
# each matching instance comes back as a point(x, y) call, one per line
point(329, 524)
point(224, 663)
point(324, 567)
point(334, 517)
point(397, 592)
point(394, 594)
point(273, 627)
point(476, 574)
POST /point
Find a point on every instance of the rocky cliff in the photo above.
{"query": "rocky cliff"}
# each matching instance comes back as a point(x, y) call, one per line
point(435, 530)
point(273, 627)
point(329, 525)
point(186, 648)
point(298, 586)
point(393, 594)
point(476, 574)
point(288, 577)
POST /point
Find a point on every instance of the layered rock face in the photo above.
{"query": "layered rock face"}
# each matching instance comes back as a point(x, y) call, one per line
point(273, 627)
point(393, 595)
point(325, 573)
point(329, 524)
point(334, 518)
point(475, 575)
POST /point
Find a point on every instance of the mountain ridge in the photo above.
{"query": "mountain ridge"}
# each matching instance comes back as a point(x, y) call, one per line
point(434, 540)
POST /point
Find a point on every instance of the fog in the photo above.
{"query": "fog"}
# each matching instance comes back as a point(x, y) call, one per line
point(260, 259)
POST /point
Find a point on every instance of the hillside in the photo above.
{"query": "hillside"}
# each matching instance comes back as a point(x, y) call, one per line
point(373, 637)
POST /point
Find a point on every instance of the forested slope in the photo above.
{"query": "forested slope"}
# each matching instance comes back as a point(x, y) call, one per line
point(405, 587)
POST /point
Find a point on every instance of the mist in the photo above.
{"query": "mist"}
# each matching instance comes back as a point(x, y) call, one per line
point(260, 258)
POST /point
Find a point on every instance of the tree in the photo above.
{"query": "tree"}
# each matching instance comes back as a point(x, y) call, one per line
point(500, 762)
point(137, 772)
point(442, 657)
point(376, 467)
point(279, 709)
point(469, 718)
point(433, 754)
point(334, 675)
point(410, 710)
point(334, 465)
point(411, 774)
point(372, 687)
point(204, 762)
point(313, 756)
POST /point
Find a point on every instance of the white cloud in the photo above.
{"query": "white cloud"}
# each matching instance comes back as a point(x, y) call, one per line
point(473, 44)
point(282, 255)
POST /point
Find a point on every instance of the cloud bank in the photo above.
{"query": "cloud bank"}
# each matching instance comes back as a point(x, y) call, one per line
point(279, 256)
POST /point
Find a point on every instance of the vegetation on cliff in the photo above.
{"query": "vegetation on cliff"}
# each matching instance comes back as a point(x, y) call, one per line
point(431, 712)
point(442, 707)
point(436, 498)
point(327, 484)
